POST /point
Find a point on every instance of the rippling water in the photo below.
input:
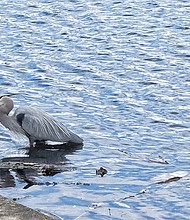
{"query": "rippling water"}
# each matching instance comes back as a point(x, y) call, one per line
point(117, 74)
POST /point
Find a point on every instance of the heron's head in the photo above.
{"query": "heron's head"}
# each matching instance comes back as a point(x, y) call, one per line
point(6, 105)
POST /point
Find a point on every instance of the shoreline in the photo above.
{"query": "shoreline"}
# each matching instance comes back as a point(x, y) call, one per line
point(11, 210)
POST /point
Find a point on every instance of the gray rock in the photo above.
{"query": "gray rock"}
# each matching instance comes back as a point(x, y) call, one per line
point(10, 210)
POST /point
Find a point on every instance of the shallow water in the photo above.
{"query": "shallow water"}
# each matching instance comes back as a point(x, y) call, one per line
point(117, 74)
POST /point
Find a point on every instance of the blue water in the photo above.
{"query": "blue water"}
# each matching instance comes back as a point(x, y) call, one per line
point(117, 74)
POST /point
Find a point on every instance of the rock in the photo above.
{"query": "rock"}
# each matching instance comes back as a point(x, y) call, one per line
point(10, 210)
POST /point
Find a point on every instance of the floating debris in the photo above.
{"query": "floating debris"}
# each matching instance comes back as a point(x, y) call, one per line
point(169, 177)
point(123, 151)
point(102, 171)
point(160, 160)
point(173, 179)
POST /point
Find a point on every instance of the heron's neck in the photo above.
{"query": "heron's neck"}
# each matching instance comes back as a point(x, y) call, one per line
point(10, 123)
point(5, 120)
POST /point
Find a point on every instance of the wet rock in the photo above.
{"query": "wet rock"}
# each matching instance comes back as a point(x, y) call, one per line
point(50, 171)
point(102, 171)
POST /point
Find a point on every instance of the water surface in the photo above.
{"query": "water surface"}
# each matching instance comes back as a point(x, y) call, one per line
point(117, 74)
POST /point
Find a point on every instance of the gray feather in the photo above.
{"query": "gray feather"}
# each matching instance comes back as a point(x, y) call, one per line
point(42, 126)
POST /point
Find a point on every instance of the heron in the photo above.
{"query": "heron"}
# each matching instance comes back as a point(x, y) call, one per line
point(34, 123)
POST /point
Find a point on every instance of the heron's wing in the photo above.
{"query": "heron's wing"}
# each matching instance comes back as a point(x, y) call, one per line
point(42, 126)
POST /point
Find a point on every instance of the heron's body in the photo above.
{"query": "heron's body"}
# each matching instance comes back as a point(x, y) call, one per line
point(34, 123)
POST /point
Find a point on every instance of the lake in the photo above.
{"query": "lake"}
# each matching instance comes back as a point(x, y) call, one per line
point(117, 73)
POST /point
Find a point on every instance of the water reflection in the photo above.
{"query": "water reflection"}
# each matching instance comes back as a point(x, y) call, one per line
point(46, 160)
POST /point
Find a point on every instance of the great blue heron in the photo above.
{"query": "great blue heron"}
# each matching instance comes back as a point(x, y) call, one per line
point(35, 124)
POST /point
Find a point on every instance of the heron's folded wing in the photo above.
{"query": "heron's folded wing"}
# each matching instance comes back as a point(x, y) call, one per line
point(43, 127)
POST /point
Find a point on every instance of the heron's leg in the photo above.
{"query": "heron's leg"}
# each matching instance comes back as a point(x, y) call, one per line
point(31, 140)
point(40, 142)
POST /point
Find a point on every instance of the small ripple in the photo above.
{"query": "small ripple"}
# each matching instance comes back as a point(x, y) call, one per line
point(32, 6)
point(154, 59)
point(158, 122)
point(46, 13)
point(177, 126)
point(148, 83)
point(38, 22)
